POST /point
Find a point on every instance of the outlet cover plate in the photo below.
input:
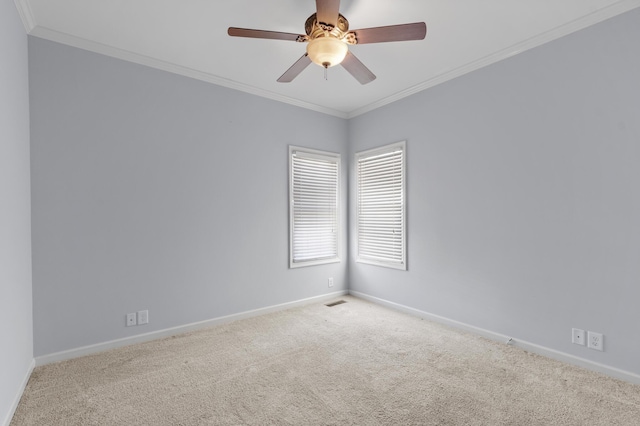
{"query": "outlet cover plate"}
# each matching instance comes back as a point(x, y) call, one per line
point(131, 319)
point(595, 341)
point(578, 336)
point(143, 317)
point(331, 282)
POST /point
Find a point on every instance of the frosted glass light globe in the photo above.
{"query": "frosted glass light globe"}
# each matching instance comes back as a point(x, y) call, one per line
point(327, 51)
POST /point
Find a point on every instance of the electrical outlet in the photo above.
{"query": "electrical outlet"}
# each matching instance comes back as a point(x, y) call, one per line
point(577, 336)
point(143, 317)
point(595, 341)
point(131, 319)
point(331, 282)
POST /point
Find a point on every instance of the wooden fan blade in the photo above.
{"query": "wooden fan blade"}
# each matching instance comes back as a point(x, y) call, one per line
point(274, 35)
point(327, 11)
point(415, 31)
point(357, 69)
point(295, 69)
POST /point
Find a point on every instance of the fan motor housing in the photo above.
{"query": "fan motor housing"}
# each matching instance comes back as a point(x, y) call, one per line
point(312, 26)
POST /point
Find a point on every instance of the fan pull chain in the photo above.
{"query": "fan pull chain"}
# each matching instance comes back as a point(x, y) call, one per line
point(325, 73)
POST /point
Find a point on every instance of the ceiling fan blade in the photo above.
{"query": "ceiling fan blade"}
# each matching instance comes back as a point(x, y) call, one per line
point(357, 69)
point(327, 11)
point(402, 32)
point(274, 35)
point(295, 69)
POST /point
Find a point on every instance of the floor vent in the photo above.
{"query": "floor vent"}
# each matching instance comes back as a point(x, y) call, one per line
point(332, 304)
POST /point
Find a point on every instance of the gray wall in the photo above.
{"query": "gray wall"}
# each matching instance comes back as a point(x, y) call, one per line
point(523, 200)
point(16, 347)
point(155, 191)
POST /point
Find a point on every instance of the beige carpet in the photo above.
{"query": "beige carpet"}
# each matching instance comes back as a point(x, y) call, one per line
point(352, 364)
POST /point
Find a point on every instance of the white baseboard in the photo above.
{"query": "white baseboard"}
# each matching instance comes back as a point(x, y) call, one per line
point(531, 347)
point(16, 399)
point(112, 344)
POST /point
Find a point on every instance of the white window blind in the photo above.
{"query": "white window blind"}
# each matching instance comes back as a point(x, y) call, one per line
point(313, 198)
point(380, 206)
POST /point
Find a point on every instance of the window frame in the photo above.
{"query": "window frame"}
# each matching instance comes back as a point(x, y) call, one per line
point(323, 156)
point(375, 152)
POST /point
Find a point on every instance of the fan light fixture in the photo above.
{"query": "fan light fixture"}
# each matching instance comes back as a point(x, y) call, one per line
point(327, 51)
point(328, 37)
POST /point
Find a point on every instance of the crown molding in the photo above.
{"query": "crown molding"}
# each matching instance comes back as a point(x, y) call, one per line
point(114, 52)
point(553, 34)
point(26, 15)
point(600, 15)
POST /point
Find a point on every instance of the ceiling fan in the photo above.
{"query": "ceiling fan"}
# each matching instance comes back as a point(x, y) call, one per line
point(328, 38)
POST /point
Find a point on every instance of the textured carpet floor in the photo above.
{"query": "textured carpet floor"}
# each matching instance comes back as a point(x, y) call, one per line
point(352, 364)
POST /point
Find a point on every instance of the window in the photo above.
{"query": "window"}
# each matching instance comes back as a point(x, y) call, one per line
point(313, 203)
point(380, 215)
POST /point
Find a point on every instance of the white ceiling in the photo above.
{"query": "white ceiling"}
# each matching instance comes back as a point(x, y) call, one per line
point(189, 37)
